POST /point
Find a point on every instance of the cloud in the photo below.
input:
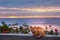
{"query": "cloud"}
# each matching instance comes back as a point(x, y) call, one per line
point(48, 9)
point(6, 12)
point(38, 12)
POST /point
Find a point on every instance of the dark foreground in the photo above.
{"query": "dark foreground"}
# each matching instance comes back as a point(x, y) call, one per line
point(11, 37)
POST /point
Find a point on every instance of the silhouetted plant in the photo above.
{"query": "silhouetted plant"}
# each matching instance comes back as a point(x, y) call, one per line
point(0, 29)
point(26, 30)
point(25, 25)
point(51, 32)
point(4, 27)
point(21, 29)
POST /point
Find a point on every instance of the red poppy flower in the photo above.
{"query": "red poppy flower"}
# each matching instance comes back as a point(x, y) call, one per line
point(5, 31)
point(56, 30)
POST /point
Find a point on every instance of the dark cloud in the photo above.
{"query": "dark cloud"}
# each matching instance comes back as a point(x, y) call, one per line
point(27, 13)
point(29, 3)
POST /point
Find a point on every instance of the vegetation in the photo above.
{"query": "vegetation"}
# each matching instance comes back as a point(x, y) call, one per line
point(4, 28)
point(24, 29)
point(51, 32)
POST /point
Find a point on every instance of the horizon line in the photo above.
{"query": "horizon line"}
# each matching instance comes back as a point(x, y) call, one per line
point(29, 16)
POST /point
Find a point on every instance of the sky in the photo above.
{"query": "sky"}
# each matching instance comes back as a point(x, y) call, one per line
point(29, 8)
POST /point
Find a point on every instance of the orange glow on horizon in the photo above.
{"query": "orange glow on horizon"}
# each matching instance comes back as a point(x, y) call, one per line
point(29, 16)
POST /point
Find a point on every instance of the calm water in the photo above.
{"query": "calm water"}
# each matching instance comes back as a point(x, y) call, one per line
point(31, 21)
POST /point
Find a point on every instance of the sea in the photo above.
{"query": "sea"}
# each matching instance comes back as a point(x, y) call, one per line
point(31, 21)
